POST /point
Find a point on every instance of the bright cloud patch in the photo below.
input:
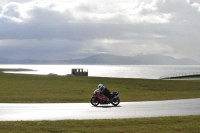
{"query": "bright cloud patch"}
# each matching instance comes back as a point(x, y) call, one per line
point(100, 12)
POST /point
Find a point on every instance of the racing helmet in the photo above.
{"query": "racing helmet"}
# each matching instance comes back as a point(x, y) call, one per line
point(100, 86)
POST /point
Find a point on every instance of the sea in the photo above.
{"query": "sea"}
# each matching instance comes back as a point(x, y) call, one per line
point(116, 71)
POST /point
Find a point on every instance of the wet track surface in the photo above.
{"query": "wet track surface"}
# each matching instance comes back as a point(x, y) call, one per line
point(62, 111)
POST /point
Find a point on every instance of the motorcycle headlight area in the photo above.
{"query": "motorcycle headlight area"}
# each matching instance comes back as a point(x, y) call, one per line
point(96, 91)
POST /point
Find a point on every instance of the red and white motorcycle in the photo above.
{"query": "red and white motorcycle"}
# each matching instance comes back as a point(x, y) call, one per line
point(99, 98)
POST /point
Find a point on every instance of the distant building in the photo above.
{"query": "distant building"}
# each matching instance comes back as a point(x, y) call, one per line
point(79, 72)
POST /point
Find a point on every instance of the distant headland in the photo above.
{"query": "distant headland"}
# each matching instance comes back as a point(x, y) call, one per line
point(15, 69)
point(108, 59)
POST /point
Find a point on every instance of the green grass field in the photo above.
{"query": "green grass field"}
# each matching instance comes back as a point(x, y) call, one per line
point(19, 88)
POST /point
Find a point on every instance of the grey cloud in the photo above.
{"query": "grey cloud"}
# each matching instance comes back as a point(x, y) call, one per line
point(11, 10)
point(88, 7)
point(54, 34)
point(171, 5)
point(181, 11)
point(39, 49)
point(50, 25)
point(44, 15)
point(194, 1)
point(45, 24)
point(138, 33)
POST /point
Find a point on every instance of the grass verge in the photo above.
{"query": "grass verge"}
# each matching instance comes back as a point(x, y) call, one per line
point(186, 124)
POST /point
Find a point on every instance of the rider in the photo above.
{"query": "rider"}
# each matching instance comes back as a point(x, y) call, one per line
point(105, 91)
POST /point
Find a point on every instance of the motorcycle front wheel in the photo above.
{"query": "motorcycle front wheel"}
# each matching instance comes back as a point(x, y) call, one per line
point(95, 101)
point(115, 101)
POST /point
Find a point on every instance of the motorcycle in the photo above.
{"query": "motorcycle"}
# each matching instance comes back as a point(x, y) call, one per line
point(99, 98)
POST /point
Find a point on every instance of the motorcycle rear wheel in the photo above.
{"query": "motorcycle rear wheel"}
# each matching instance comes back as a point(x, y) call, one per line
point(115, 101)
point(95, 101)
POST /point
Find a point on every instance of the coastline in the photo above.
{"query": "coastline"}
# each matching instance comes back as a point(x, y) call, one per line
point(15, 69)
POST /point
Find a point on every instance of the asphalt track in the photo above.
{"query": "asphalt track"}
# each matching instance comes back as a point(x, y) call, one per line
point(79, 111)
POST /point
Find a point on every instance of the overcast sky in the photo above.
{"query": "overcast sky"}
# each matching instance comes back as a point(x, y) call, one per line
point(70, 29)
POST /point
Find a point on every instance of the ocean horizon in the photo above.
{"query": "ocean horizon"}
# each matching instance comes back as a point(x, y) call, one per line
point(116, 71)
